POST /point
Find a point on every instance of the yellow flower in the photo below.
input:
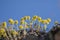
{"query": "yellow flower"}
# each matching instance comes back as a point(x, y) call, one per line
point(39, 19)
point(45, 22)
point(22, 19)
point(22, 22)
point(42, 21)
point(28, 17)
point(4, 24)
point(20, 27)
point(4, 35)
point(2, 32)
point(49, 20)
point(11, 21)
point(14, 32)
point(16, 21)
point(25, 17)
point(34, 18)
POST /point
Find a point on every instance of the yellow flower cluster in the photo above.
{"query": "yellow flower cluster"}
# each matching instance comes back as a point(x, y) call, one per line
point(20, 27)
point(4, 24)
point(39, 19)
point(23, 24)
point(26, 17)
point(13, 32)
point(2, 32)
point(49, 20)
point(34, 18)
point(11, 21)
point(46, 21)
point(22, 21)
point(16, 22)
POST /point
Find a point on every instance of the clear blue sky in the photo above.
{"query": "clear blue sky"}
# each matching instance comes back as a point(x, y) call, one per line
point(18, 8)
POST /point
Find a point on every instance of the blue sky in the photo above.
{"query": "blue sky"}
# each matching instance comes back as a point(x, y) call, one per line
point(18, 8)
